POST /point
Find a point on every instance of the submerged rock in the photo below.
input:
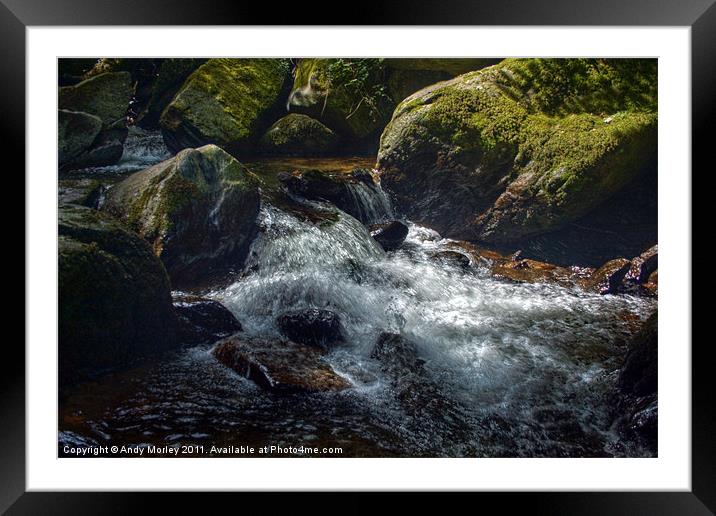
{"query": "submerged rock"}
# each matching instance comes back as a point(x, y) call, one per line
point(503, 153)
point(312, 327)
point(298, 135)
point(201, 320)
point(114, 300)
point(228, 102)
point(391, 235)
point(279, 366)
point(198, 210)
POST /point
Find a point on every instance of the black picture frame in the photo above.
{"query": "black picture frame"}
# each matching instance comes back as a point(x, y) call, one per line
point(699, 15)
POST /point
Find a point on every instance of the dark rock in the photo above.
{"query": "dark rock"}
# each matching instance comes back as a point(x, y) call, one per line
point(643, 265)
point(107, 149)
point(202, 320)
point(106, 96)
point(397, 354)
point(114, 300)
point(312, 327)
point(637, 405)
point(171, 74)
point(72, 71)
point(354, 192)
point(76, 131)
point(453, 258)
point(279, 366)
point(608, 279)
point(198, 210)
point(85, 192)
point(298, 135)
point(390, 236)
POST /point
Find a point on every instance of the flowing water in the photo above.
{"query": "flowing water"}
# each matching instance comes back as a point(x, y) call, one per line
point(506, 369)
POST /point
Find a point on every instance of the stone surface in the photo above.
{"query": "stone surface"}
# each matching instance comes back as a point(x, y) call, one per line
point(227, 102)
point(608, 279)
point(201, 320)
point(279, 366)
point(114, 300)
point(106, 96)
point(503, 154)
point(198, 210)
point(76, 131)
point(312, 327)
point(298, 135)
point(390, 236)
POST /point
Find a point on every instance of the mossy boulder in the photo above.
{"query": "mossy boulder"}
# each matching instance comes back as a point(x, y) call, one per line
point(76, 131)
point(406, 76)
point(347, 95)
point(520, 148)
point(198, 211)
point(72, 71)
point(298, 135)
point(114, 296)
point(106, 96)
point(171, 74)
point(227, 102)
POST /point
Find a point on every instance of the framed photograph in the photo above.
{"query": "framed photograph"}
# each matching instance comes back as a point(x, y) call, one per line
point(414, 253)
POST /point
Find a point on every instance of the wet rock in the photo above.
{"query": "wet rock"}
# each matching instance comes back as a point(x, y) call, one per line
point(298, 135)
point(637, 405)
point(608, 279)
point(227, 102)
point(202, 320)
point(279, 366)
point(454, 258)
point(198, 210)
point(76, 131)
point(498, 155)
point(312, 327)
point(114, 300)
point(391, 235)
point(397, 354)
point(532, 271)
point(642, 266)
point(354, 192)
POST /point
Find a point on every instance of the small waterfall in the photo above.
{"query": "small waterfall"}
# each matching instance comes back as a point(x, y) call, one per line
point(371, 202)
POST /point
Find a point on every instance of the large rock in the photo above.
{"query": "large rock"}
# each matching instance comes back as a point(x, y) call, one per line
point(279, 366)
point(228, 102)
point(76, 131)
point(347, 95)
point(298, 135)
point(72, 71)
point(114, 300)
point(520, 148)
point(198, 210)
point(171, 75)
point(201, 320)
point(312, 327)
point(106, 96)
point(107, 149)
point(643, 266)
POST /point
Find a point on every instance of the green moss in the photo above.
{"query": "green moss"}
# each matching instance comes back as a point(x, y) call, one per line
point(226, 101)
point(106, 96)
